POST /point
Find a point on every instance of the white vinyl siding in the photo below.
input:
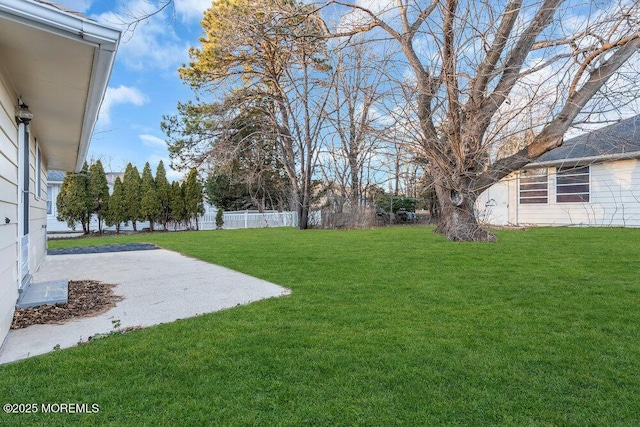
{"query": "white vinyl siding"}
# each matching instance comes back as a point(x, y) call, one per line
point(8, 209)
point(614, 199)
point(9, 230)
point(37, 210)
point(615, 191)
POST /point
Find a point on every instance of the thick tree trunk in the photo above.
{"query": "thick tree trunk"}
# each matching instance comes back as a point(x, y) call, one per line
point(303, 217)
point(458, 220)
point(299, 203)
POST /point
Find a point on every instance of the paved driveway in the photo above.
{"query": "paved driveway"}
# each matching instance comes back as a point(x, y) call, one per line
point(157, 286)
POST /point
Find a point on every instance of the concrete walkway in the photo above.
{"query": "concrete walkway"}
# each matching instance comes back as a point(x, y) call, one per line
point(158, 286)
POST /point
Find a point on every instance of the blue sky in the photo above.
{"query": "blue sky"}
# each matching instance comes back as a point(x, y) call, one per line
point(144, 85)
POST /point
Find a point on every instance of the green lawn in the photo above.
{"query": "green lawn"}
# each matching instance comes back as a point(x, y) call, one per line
point(393, 326)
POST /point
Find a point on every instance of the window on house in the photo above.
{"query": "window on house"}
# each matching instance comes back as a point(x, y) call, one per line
point(534, 186)
point(572, 184)
point(49, 203)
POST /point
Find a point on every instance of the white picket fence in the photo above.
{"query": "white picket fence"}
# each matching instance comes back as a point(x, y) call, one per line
point(250, 219)
point(232, 220)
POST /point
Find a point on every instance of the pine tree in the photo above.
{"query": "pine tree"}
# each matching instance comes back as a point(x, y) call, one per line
point(163, 189)
point(187, 216)
point(193, 198)
point(73, 203)
point(219, 219)
point(178, 208)
point(98, 192)
point(150, 204)
point(116, 211)
point(66, 210)
point(131, 184)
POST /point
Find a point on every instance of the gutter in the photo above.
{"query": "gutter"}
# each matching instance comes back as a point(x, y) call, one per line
point(578, 161)
point(56, 21)
point(103, 61)
point(104, 39)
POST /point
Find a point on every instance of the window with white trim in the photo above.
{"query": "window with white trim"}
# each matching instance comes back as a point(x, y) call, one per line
point(572, 184)
point(49, 202)
point(533, 186)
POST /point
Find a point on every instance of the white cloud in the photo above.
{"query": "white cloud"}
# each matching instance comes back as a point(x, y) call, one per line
point(377, 6)
point(152, 43)
point(192, 9)
point(153, 141)
point(171, 174)
point(81, 6)
point(117, 96)
point(359, 16)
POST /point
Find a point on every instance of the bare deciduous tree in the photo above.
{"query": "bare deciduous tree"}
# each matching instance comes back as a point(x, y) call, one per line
point(477, 66)
point(355, 127)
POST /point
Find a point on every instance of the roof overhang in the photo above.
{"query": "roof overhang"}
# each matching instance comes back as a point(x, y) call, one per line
point(59, 64)
point(582, 161)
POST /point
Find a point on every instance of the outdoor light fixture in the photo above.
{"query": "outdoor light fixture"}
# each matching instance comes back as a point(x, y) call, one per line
point(23, 115)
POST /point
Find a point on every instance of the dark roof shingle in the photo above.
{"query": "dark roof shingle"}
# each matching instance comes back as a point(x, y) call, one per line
point(55, 176)
point(619, 138)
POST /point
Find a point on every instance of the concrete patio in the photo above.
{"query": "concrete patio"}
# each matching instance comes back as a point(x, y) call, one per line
point(157, 286)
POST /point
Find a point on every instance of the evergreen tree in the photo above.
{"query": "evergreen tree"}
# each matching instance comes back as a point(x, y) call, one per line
point(98, 192)
point(116, 211)
point(74, 203)
point(163, 189)
point(193, 198)
point(66, 207)
point(150, 204)
point(227, 191)
point(131, 185)
point(219, 219)
point(178, 208)
point(187, 216)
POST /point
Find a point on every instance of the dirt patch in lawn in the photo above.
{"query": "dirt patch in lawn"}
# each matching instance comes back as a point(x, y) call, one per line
point(86, 298)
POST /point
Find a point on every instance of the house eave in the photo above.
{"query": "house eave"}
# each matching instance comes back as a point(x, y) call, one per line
point(45, 17)
point(101, 43)
point(581, 161)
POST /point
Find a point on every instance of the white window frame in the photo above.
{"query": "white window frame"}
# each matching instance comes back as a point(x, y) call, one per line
point(576, 174)
point(49, 202)
point(533, 181)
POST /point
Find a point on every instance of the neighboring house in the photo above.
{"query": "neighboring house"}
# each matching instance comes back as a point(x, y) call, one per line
point(54, 184)
point(591, 180)
point(54, 73)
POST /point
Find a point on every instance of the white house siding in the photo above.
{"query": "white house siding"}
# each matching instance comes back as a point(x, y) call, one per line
point(614, 200)
point(37, 209)
point(8, 209)
point(615, 188)
point(493, 205)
